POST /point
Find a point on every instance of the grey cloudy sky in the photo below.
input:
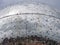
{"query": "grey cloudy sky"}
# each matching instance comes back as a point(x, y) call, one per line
point(53, 3)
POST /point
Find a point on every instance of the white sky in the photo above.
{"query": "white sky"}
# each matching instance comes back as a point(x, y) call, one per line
point(53, 3)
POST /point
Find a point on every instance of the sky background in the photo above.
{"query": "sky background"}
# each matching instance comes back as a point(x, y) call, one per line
point(52, 3)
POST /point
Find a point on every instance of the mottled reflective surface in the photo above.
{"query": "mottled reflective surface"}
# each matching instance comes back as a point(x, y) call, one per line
point(45, 24)
point(23, 25)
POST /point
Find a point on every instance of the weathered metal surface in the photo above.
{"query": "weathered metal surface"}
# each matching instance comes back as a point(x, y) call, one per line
point(14, 24)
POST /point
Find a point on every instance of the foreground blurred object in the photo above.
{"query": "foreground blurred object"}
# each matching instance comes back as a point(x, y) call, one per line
point(30, 40)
